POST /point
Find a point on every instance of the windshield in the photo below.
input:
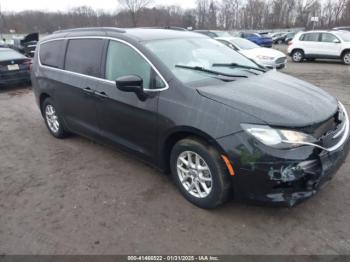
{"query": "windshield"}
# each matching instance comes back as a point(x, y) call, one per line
point(345, 36)
point(197, 52)
point(244, 44)
point(10, 54)
point(222, 34)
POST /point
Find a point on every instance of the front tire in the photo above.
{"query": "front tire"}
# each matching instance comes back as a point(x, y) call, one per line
point(346, 58)
point(200, 173)
point(298, 56)
point(52, 119)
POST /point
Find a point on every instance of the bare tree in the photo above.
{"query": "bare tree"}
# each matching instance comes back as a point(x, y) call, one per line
point(134, 7)
point(208, 14)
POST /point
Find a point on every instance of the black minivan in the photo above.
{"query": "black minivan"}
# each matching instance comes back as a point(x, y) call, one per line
point(223, 126)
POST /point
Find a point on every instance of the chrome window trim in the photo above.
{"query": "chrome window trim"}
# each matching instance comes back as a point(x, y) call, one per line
point(97, 78)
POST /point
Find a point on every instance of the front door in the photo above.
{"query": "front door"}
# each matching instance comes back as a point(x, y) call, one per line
point(330, 45)
point(123, 117)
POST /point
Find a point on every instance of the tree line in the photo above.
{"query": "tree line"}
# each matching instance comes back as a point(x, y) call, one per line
point(208, 14)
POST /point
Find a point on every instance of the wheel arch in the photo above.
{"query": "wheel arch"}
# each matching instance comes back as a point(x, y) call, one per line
point(297, 49)
point(43, 96)
point(178, 134)
point(344, 51)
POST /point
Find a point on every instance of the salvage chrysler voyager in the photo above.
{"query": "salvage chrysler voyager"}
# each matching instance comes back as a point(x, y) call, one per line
point(223, 126)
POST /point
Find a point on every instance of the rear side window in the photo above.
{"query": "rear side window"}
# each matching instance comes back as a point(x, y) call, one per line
point(84, 56)
point(311, 37)
point(51, 53)
point(122, 60)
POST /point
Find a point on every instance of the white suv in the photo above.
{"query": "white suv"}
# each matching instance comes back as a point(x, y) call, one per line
point(320, 44)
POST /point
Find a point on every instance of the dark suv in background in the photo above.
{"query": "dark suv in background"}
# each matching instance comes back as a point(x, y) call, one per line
point(221, 124)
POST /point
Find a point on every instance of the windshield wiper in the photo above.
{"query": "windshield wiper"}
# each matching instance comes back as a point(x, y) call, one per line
point(238, 66)
point(202, 69)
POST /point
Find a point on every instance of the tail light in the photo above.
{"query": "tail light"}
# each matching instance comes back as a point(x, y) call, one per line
point(29, 63)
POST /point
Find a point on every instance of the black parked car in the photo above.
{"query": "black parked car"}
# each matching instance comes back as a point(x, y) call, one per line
point(27, 44)
point(289, 37)
point(14, 67)
point(278, 38)
point(221, 124)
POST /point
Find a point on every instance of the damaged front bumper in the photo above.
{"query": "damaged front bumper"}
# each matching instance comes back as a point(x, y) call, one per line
point(280, 177)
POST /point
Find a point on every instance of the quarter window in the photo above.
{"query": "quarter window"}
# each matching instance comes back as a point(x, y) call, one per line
point(84, 56)
point(123, 60)
point(51, 53)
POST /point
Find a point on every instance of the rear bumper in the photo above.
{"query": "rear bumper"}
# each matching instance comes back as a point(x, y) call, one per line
point(281, 178)
point(8, 78)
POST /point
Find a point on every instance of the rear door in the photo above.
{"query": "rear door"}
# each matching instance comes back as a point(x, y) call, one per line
point(330, 45)
point(81, 76)
point(123, 117)
point(310, 43)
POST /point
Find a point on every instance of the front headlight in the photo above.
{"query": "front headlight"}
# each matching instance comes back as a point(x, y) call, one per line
point(278, 138)
point(263, 57)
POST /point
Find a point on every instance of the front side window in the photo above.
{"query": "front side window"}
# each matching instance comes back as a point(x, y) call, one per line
point(328, 38)
point(122, 60)
point(84, 56)
point(51, 53)
point(345, 36)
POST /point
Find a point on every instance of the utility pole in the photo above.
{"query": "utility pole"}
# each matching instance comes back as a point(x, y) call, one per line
point(1, 23)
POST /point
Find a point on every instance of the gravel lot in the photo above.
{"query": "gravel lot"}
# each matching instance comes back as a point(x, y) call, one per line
point(74, 196)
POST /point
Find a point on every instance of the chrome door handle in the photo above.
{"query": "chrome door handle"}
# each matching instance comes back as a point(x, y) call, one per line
point(102, 94)
point(88, 90)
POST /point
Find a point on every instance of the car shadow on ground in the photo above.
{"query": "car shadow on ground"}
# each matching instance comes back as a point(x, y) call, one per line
point(14, 90)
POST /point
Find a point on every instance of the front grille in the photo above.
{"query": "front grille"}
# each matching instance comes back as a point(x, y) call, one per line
point(281, 60)
point(334, 135)
point(331, 133)
point(321, 129)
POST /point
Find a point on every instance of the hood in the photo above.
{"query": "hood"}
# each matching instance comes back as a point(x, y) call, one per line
point(275, 98)
point(262, 51)
point(252, 53)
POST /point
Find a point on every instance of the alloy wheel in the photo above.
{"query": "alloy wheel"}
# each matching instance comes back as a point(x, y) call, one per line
point(347, 58)
point(52, 119)
point(297, 56)
point(194, 174)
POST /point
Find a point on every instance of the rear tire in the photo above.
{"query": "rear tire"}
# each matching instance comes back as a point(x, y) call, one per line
point(53, 120)
point(346, 58)
point(298, 56)
point(200, 173)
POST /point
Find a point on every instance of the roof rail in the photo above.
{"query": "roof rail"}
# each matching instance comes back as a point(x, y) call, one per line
point(82, 29)
point(175, 28)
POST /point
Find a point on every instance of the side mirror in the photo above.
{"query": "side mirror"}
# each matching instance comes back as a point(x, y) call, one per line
point(336, 41)
point(131, 83)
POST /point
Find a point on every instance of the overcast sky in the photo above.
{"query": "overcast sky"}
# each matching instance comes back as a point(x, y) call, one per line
point(63, 5)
